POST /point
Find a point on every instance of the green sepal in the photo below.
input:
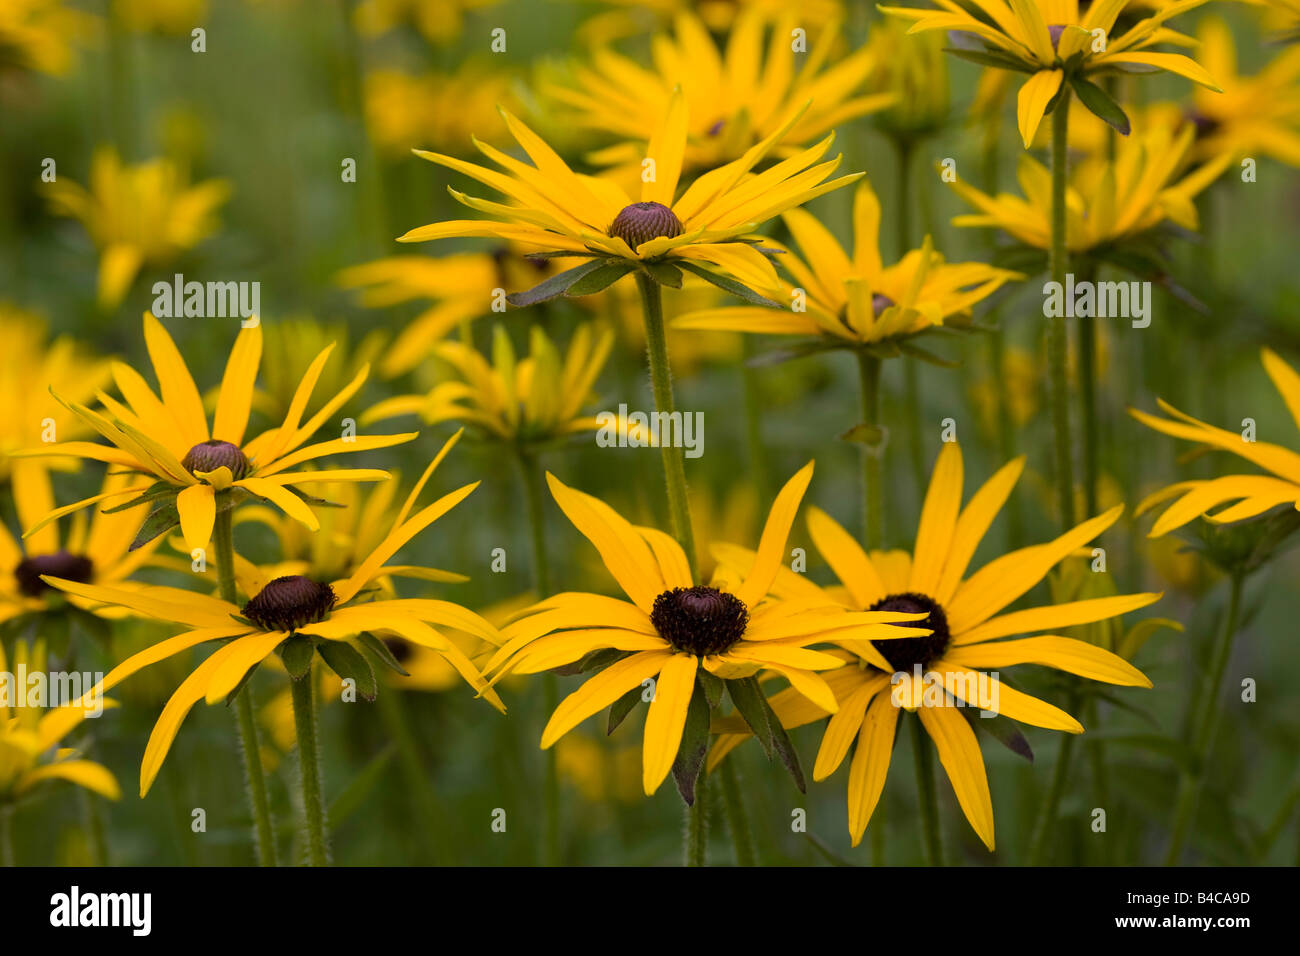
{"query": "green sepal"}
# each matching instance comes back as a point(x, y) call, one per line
point(591, 661)
point(346, 661)
point(248, 675)
point(999, 61)
point(160, 520)
point(665, 273)
point(925, 355)
point(713, 687)
point(689, 763)
point(619, 710)
point(159, 489)
point(1002, 729)
point(297, 653)
point(752, 705)
point(729, 285)
point(555, 286)
point(383, 652)
point(598, 280)
point(1101, 104)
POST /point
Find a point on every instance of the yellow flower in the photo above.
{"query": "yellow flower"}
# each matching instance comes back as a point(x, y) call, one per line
point(138, 215)
point(522, 402)
point(1021, 378)
point(633, 17)
point(29, 736)
point(440, 21)
point(1056, 45)
point(914, 71)
point(1105, 202)
point(1253, 494)
point(288, 346)
point(160, 16)
point(964, 615)
point(672, 629)
point(97, 551)
point(441, 110)
point(1256, 115)
point(40, 35)
point(195, 470)
point(330, 616)
point(735, 97)
point(1282, 16)
point(856, 300)
point(29, 369)
point(702, 231)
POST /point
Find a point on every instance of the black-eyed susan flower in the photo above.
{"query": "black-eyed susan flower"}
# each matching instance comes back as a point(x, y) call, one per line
point(1253, 494)
point(691, 639)
point(520, 401)
point(1059, 45)
point(30, 735)
point(627, 18)
point(94, 551)
point(195, 470)
point(289, 345)
point(914, 71)
point(438, 109)
point(735, 97)
point(1281, 16)
point(138, 215)
point(30, 367)
point(42, 35)
point(853, 300)
point(294, 615)
point(556, 210)
point(968, 627)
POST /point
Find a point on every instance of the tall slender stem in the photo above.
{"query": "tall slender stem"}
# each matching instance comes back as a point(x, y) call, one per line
point(1055, 790)
point(661, 381)
point(754, 424)
point(742, 837)
point(873, 510)
point(1192, 781)
point(1058, 387)
point(313, 802)
point(93, 821)
point(928, 800)
point(697, 826)
point(8, 856)
point(223, 539)
point(532, 476)
point(1086, 337)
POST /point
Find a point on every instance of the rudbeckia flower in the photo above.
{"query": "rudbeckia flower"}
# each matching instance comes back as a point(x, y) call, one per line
point(633, 17)
point(735, 97)
point(91, 552)
point(435, 109)
point(29, 738)
point(138, 215)
point(1105, 203)
point(702, 231)
point(691, 639)
point(535, 400)
point(196, 470)
point(1253, 494)
point(1058, 46)
point(964, 613)
point(325, 618)
point(41, 35)
point(30, 367)
point(855, 301)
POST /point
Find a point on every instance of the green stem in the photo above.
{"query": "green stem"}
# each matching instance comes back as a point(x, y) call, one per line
point(1058, 263)
point(1086, 337)
point(697, 826)
point(1097, 766)
point(877, 828)
point(1055, 790)
point(8, 856)
point(754, 424)
point(873, 511)
point(223, 540)
point(661, 381)
point(531, 471)
point(93, 821)
point(927, 795)
point(1191, 783)
point(313, 803)
point(742, 837)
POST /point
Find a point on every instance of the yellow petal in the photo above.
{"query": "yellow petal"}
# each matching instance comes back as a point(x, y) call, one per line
point(666, 719)
point(1031, 103)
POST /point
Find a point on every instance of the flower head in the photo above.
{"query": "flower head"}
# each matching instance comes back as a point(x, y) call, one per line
point(964, 613)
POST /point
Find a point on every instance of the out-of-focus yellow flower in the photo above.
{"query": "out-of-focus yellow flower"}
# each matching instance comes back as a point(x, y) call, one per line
point(1019, 381)
point(1255, 115)
point(29, 369)
point(460, 287)
point(440, 21)
point(531, 401)
point(735, 97)
point(138, 215)
point(600, 771)
point(1105, 202)
point(856, 300)
point(1059, 45)
point(290, 344)
point(1181, 567)
point(160, 16)
point(914, 70)
point(733, 516)
point(29, 736)
point(41, 35)
point(1282, 16)
point(635, 17)
point(435, 110)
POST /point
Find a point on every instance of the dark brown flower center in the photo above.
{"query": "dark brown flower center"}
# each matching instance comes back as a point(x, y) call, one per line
point(61, 564)
point(212, 454)
point(903, 653)
point(699, 620)
point(290, 602)
point(643, 221)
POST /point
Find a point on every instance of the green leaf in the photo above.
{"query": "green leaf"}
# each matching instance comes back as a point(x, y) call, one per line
point(665, 273)
point(1141, 632)
point(689, 762)
point(344, 659)
point(748, 698)
point(999, 61)
point(600, 279)
point(159, 489)
point(555, 286)
point(924, 355)
point(1100, 103)
point(591, 661)
point(383, 652)
point(713, 687)
point(296, 653)
point(729, 285)
point(160, 520)
point(619, 710)
point(1002, 729)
